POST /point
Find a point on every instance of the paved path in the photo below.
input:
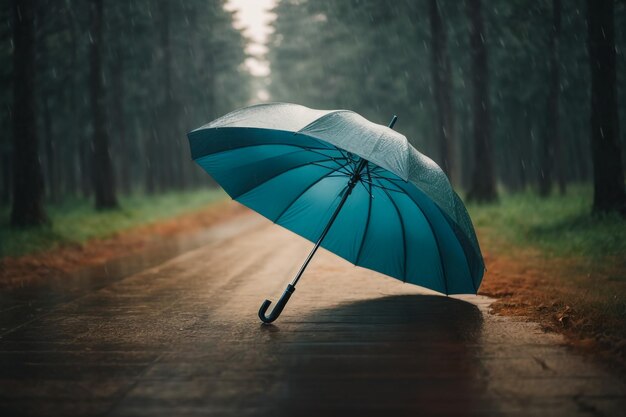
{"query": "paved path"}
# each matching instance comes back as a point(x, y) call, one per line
point(182, 339)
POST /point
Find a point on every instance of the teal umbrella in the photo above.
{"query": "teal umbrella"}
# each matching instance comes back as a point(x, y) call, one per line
point(356, 188)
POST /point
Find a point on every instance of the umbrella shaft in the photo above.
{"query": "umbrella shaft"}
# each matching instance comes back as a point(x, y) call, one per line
point(351, 184)
point(356, 176)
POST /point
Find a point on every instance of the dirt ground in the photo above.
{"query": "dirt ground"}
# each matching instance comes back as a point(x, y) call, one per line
point(18, 271)
point(557, 294)
point(524, 282)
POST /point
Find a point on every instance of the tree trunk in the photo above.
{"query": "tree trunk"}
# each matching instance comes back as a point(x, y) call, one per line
point(50, 151)
point(84, 153)
point(550, 152)
point(5, 195)
point(442, 83)
point(159, 164)
point(523, 144)
point(165, 117)
point(46, 92)
point(169, 118)
point(150, 168)
point(482, 187)
point(75, 179)
point(84, 158)
point(119, 121)
point(102, 171)
point(28, 188)
point(608, 172)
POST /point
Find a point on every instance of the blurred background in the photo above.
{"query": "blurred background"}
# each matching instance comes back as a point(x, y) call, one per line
point(97, 96)
point(519, 101)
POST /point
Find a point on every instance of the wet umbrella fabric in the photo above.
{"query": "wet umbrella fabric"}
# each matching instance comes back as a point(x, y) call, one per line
point(357, 188)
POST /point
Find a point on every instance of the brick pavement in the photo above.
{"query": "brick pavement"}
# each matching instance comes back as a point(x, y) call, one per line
point(181, 338)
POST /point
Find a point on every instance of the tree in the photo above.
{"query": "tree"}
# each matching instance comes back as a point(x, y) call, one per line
point(442, 86)
point(6, 86)
point(168, 121)
point(28, 189)
point(608, 171)
point(369, 56)
point(482, 186)
point(102, 172)
point(143, 123)
point(551, 159)
point(363, 55)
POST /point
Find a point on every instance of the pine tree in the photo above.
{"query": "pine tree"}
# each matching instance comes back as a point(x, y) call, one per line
point(608, 171)
point(483, 187)
point(28, 189)
point(102, 171)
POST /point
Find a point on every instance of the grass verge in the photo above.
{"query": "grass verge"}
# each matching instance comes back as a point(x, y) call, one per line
point(559, 226)
point(552, 261)
point(76, 222)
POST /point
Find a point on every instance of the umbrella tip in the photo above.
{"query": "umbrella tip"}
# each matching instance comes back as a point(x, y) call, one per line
point(393, 121)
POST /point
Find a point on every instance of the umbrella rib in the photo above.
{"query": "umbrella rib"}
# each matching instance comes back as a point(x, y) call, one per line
point(344, 173)
point(401, 189)
point(432, 231)
point(403, 234)
point(337, 176)
point(342, 153)
point(367, 222)
point(391, 179)
point(378, 176)
point(318, 164)
point(322, 153)
point(305, 190)
point(382, 187)
point(376, 173)
point(287, 170)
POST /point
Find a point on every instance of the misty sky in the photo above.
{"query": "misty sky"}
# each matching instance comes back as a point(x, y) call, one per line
point(254, 18)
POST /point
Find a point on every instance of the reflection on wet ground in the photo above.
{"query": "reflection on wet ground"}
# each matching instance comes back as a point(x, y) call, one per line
point(33, 299)
point(397, 354)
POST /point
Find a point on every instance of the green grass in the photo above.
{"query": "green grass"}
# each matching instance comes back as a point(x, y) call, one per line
point(558, 225)
point(76, 221)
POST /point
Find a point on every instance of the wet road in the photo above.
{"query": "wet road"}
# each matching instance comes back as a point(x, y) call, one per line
point(151, 336)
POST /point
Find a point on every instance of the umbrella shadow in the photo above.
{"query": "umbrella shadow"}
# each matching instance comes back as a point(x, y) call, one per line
point(411, 354)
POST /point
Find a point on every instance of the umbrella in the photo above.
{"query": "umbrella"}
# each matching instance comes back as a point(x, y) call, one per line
point(356, 188)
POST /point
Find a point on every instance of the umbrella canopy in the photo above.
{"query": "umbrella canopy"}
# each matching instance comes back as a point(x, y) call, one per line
point(296, 166)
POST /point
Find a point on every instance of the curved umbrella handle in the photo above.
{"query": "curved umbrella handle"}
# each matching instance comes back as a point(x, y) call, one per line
point(278, 308)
